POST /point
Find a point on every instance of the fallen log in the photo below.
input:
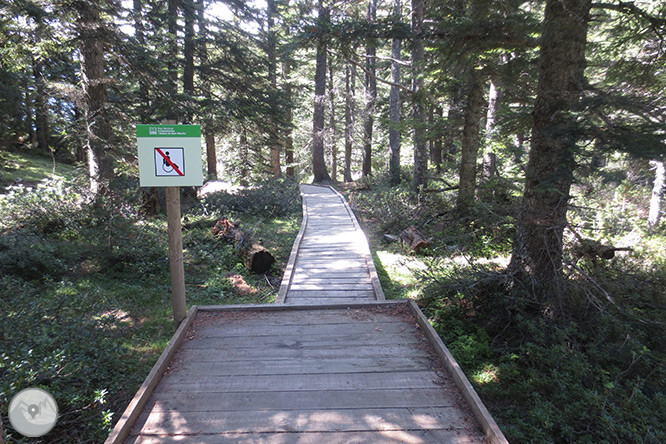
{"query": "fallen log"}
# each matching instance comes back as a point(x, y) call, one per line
point(413, 239)
point(255, 256)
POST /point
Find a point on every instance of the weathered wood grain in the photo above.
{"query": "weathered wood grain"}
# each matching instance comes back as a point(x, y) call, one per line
point(359, 420)
point(418, 436)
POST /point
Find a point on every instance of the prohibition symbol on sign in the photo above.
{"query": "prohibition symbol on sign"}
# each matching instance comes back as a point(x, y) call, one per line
point(169, 162)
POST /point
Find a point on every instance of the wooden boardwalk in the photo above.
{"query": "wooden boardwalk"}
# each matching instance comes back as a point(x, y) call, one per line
point(330, 261)
point(331, 363)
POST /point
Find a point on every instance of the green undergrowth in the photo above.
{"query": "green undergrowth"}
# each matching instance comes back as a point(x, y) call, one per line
point(85, 289)
point(590, 368)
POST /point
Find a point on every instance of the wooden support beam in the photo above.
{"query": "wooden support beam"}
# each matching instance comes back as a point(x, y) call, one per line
point(176, 255)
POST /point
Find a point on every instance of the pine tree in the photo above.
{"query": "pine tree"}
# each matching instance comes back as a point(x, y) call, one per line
point(537, 253)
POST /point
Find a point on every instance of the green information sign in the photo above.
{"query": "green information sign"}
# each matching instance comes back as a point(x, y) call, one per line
point(169, 155)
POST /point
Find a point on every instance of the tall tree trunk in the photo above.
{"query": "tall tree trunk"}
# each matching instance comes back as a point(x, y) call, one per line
point(394, 101)
point(208, 120)
point(349, 120)
point(211, 154)
point(472, 128)
point(490, 158)
point(454, 122)
point(436, 139)
point(370, 93)
point(318, 162)
point(418, 107)
point(140, 35)
point(244, 157)
point(173, 111)
point(470, 143)
point(189, 14)
point(494, 97)
point(332, 125)
point(274, 135)
point(654, 215)
point(537, 253)
point(289, 117)
point(41, 107)
point(100, 162)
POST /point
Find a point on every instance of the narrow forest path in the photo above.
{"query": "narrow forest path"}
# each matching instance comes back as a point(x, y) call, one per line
point(330, 261)
point(331, 363)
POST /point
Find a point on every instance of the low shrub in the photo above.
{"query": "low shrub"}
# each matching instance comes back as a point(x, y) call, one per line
point(270, 198)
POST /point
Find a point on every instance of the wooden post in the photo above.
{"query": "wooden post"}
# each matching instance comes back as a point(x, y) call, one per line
point(176, 255)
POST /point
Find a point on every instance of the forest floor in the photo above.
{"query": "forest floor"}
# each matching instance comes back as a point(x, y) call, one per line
point(89, 280)
point(591, 369)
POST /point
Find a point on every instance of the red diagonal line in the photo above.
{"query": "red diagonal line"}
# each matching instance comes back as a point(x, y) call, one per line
point(173, 165)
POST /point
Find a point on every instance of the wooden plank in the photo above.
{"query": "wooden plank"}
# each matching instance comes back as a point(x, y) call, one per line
point(328, 287)
point(353, 420)
point(301, 367)
point(302, 400)
point(341, 350)
point(323, 301)
point(311, 329)
point(331, 293)
point(445, 436)
point(180, 382)
point(364, 339)
point(379, 292)
point(333, 280)
point(265, 317)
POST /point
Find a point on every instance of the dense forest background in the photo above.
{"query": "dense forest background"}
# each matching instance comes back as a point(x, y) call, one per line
point(524, 139)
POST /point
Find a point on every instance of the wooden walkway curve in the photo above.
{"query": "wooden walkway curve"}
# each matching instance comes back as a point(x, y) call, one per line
point(331, 362)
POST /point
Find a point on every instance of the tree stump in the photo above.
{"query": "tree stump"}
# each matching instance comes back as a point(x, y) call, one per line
point(255, 256)
point(413, 239)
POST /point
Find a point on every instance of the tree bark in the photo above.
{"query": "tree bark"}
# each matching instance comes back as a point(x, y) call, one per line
point(289, 117)
point(370, 93)
point(494, 97)
point(472, 127)
point(100, 162)
point(211, 155)
point(255, 256)
point(654, 215)
point(244, 157)
point(189, 14)
point(418, 107)
point(208, 120)
point(173, 112)
point(537, 253)
point(394, 102)
point(413, 239)
point(318, 162)
point(436, 139)
point(274, 133)
point(332, 125)
point(470, 143)
point(349, 120)
point(140, 35)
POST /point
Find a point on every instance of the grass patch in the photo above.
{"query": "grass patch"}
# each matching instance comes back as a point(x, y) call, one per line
point(29, 170)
